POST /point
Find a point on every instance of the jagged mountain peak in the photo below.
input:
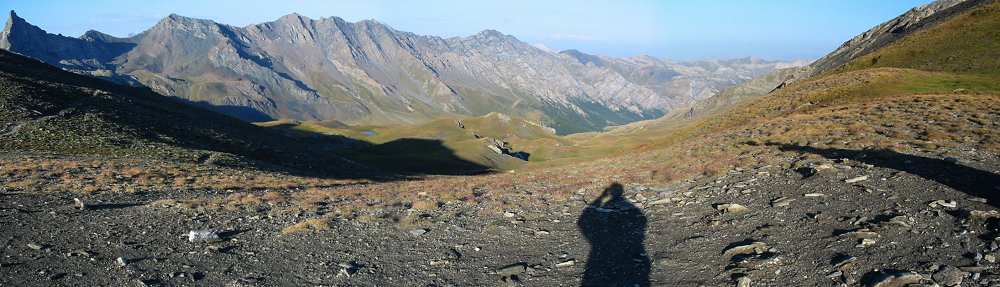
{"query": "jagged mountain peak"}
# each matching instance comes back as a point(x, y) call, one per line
point(17, 26)
point(293, 15)
point(15, 20)
point(492, 34)
point(175, 19)
point(94, 35)
point(13, 17)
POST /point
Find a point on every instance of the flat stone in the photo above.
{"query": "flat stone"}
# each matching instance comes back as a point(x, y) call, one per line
point(900, 220)
point(856, 179)
point(660, 201)
point(733, 208)
point(566, 263)
point(205, 235)
point(418, 232)
point(943, 203)
point(512, 269)
point(861, 233)
point(781, 201)
point(751, 248)
point(974, 269)
point(949, 276)
point(865, 242)
point(895, 279)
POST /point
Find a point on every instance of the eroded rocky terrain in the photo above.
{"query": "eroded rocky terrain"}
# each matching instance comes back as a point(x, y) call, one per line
point(833, 217)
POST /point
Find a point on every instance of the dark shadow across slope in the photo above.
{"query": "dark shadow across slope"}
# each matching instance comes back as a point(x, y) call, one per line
point(48, 110)
point(971, 181)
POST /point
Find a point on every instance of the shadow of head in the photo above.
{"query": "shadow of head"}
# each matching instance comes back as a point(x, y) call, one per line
point(615, 190)
point(949, 172)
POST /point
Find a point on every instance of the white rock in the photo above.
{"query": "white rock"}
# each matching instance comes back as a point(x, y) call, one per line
point(566, 263)
point(752, 248)
point(943, 203)
point(418, 232)
point(79, 204)
point(781, 202)
point(856, 179)
point(743, 282)
point(897, 279)
point(205, 235)
point(733, 208)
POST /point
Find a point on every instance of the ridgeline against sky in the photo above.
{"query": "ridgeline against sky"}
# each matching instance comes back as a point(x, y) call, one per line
point(668, 29)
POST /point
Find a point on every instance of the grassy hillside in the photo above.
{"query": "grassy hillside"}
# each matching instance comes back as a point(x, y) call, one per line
point(966, 43)
point(443, 145)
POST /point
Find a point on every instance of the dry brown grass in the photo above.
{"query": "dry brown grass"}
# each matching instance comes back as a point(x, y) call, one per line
point(130, 176)
point(844, 114)
point(309, 225)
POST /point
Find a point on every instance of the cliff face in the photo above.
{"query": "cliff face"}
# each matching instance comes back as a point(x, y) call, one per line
point(369, 73)
point(91, 54)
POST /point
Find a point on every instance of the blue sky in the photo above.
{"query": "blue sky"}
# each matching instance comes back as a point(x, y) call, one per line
point(680, 30)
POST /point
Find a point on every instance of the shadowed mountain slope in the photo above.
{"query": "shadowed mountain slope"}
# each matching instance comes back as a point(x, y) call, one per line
point(50, 111)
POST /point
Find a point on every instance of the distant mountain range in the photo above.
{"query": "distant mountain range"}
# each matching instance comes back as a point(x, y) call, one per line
point(369, 73)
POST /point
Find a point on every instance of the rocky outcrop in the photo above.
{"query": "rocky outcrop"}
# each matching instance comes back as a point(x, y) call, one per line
point(369, 73)
point(503, 147)
point(91, 54)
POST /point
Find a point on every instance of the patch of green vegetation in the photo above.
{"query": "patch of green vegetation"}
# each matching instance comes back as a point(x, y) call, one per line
point(939, 83)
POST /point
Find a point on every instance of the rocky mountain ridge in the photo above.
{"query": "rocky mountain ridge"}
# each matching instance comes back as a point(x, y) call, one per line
point(884, 34)
point(369, 73)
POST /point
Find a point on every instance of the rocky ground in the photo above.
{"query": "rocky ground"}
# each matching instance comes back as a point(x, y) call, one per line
point(828, 218)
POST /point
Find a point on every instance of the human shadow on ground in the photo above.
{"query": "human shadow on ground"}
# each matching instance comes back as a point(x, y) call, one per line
point(616, 230)
point(968, 180)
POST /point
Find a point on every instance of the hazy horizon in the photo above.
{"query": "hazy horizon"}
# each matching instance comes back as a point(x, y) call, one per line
point(671, 30)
